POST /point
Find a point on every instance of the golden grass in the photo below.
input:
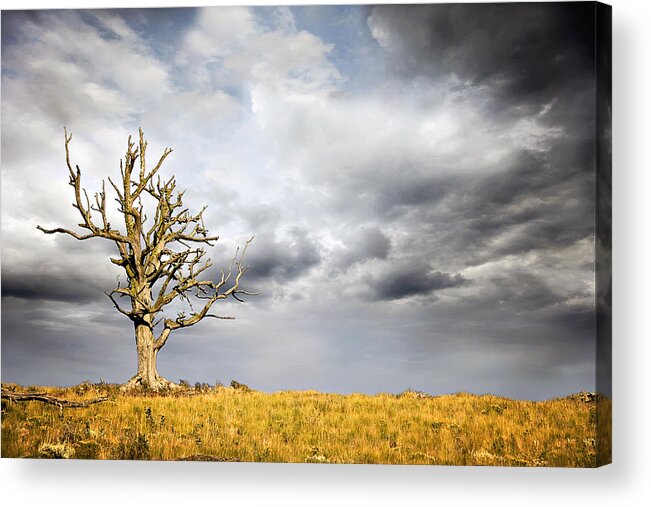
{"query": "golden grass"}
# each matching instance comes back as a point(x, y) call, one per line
point(305, 426)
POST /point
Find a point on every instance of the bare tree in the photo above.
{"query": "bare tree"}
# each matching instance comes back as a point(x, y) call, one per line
point(162, 262)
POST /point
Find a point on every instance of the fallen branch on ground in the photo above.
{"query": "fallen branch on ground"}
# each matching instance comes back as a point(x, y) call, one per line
point(51, 400)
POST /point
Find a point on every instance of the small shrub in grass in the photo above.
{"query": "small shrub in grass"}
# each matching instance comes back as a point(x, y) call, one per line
point(149, 418)
point(56, 451)
point(202, 387)
point(134, 448)
point(240, 387)
point(84, 387)
point(316, 456)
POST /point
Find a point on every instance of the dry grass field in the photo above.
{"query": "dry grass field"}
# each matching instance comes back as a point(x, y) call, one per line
point(238, 424)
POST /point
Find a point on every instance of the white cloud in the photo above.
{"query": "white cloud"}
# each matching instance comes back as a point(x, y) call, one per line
point(230, 47)
point(217, 33)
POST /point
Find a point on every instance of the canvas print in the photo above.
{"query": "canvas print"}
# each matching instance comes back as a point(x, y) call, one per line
point(308, 234)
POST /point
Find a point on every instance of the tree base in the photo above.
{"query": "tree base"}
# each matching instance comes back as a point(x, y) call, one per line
point(158, 383)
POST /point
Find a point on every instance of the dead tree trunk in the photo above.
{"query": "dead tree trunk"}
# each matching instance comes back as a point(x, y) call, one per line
point(147, 376)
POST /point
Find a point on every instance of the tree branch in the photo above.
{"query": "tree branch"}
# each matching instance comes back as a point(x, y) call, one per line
point(65, 231)
point(131, 315)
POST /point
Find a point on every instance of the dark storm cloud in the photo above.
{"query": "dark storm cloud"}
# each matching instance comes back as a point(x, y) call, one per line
point(282, 260)
point(406, 192)
point(580, 319)
point(412, 280)
point(398, 191)
point(373, 244)
point(538, 203)
point(68, 287)
point(524, 50)
point(539, 200)
point(369, 243)
point(48, 341)
point(522, 291)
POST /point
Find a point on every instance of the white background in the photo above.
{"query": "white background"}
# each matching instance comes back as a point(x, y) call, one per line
point(626, 482)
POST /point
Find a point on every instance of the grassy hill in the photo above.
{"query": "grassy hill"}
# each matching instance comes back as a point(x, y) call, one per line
point(238, 424)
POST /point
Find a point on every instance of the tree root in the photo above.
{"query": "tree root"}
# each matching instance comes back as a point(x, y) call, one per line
point(137, 383)
point(51, 400)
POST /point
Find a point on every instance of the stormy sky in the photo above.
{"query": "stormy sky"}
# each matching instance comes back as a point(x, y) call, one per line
point(419, 181)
